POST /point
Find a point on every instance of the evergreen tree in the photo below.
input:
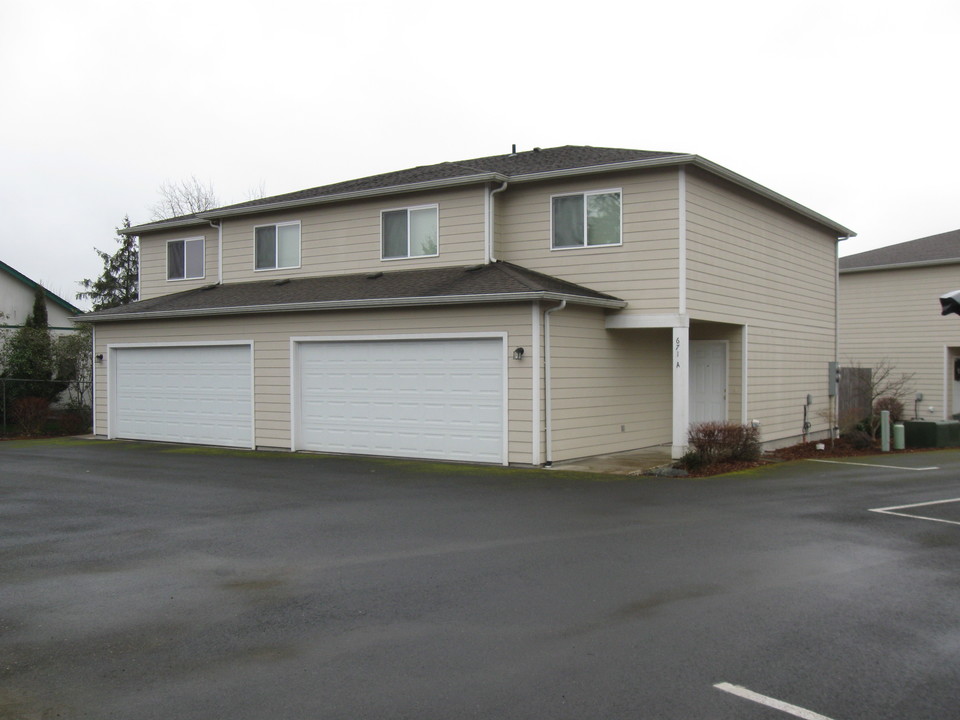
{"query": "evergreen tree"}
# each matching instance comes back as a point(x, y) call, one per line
point(27, 356)
point(38, 317)
point(119, 282)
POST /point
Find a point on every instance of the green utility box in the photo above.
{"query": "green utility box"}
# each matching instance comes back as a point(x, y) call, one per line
point(932, 433)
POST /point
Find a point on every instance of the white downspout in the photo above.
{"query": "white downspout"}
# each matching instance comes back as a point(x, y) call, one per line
point(548, 380)
point(219, 227)
point(93, 376)
point(488, 225)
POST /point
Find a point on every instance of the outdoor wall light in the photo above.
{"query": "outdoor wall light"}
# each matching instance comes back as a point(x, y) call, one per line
point(518, 354)
point(99, 357)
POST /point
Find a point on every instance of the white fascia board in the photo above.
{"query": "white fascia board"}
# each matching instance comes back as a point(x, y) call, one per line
point(361, 304)
point(607, 167)
point(900, 266)
point(163, 225)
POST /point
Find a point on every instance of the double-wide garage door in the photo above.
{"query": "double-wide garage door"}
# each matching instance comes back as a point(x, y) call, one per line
point(424, 398)
point(190, 394)
point(440, 398)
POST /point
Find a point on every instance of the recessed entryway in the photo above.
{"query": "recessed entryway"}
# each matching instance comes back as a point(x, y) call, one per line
point(708, 381)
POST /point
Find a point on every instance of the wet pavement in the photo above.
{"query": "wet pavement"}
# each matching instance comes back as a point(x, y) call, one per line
point(145, 581)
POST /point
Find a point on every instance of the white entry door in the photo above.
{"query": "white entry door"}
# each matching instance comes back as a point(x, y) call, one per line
point(708, 381)
point(421, 398)
point(191, 394)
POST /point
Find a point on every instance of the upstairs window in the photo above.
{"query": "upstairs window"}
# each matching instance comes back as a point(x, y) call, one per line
point(277, 246)
point(407, 233)
point(185, 259)
point(586, 219)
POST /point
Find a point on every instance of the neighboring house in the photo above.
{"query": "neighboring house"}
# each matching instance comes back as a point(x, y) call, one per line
point(890, 312)
point(523, 308)
point(17, 293)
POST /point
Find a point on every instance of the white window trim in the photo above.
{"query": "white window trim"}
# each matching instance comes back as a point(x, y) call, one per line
point(585, 193)
point(408, 208)
point(278, 225)
point(166, 250)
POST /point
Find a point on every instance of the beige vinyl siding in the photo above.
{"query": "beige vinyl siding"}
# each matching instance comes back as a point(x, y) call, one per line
point(893, 316)
point(344, 238)
point(611, 389)
point(271, 335)
point(153, 261)
point(753, 263)
point(642, 271)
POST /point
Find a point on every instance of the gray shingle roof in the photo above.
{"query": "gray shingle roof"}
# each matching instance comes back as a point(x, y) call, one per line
point(531, 165)
point(496, 282)
point(935, 249)
point(568, 157)
point(510, 165)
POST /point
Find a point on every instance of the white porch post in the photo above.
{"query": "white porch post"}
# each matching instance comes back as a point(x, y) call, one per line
point(681, 390)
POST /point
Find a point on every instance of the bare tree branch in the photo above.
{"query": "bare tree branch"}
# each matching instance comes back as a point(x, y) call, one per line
point(183, 198)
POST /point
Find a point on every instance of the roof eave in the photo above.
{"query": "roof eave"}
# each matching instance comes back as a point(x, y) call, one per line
point(843, 232)
point(205, 217)
point(900, 266)
point(609, 303)
point(33, 285)
point(667, 161)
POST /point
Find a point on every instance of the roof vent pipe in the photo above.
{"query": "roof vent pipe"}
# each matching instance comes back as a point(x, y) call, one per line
point(513, 149)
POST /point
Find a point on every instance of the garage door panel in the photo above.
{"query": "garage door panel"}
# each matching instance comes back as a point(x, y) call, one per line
point(196, 394)
point(426, 398)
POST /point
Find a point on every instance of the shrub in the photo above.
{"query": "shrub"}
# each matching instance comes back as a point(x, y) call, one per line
point(30, 414)
point(715, 442)
point(859, 439)
point(75, 421)
point(892, 404)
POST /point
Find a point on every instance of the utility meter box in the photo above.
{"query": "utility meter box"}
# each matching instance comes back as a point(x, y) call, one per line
point(932, 433)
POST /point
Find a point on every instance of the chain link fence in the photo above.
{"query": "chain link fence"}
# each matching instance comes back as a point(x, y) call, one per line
point(26, 408)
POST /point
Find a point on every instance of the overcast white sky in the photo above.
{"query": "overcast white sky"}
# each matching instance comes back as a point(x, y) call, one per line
point(849, 107)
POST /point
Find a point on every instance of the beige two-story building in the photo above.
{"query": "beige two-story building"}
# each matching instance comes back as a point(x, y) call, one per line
point(523, 308)
point(890, 317)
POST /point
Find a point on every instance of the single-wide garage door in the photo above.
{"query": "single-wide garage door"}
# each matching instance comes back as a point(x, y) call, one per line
point(194, 394)
point(405, 398)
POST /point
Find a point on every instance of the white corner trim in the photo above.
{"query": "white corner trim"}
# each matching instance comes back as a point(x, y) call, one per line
point(682, 241)
point(535, 390)
point(745, 375)
point(680, 359)
point(947, 379)
point(93, 378)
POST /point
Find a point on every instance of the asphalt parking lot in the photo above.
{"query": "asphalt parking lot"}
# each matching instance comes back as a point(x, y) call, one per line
point(157, 581)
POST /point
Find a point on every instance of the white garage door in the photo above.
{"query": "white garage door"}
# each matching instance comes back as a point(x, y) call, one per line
point(411, 398)
point(196, 394)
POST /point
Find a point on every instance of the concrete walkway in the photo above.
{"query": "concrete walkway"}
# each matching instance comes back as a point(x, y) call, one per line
point(634, 462)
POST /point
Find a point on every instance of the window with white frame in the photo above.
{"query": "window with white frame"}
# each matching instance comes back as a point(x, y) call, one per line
point(408, 232)
point(586, 219)
point(277, 246)
point(185, 259)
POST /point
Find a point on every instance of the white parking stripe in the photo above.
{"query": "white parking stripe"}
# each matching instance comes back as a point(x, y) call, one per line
point(893, 508)
point(770, 702)
point(887, 467)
